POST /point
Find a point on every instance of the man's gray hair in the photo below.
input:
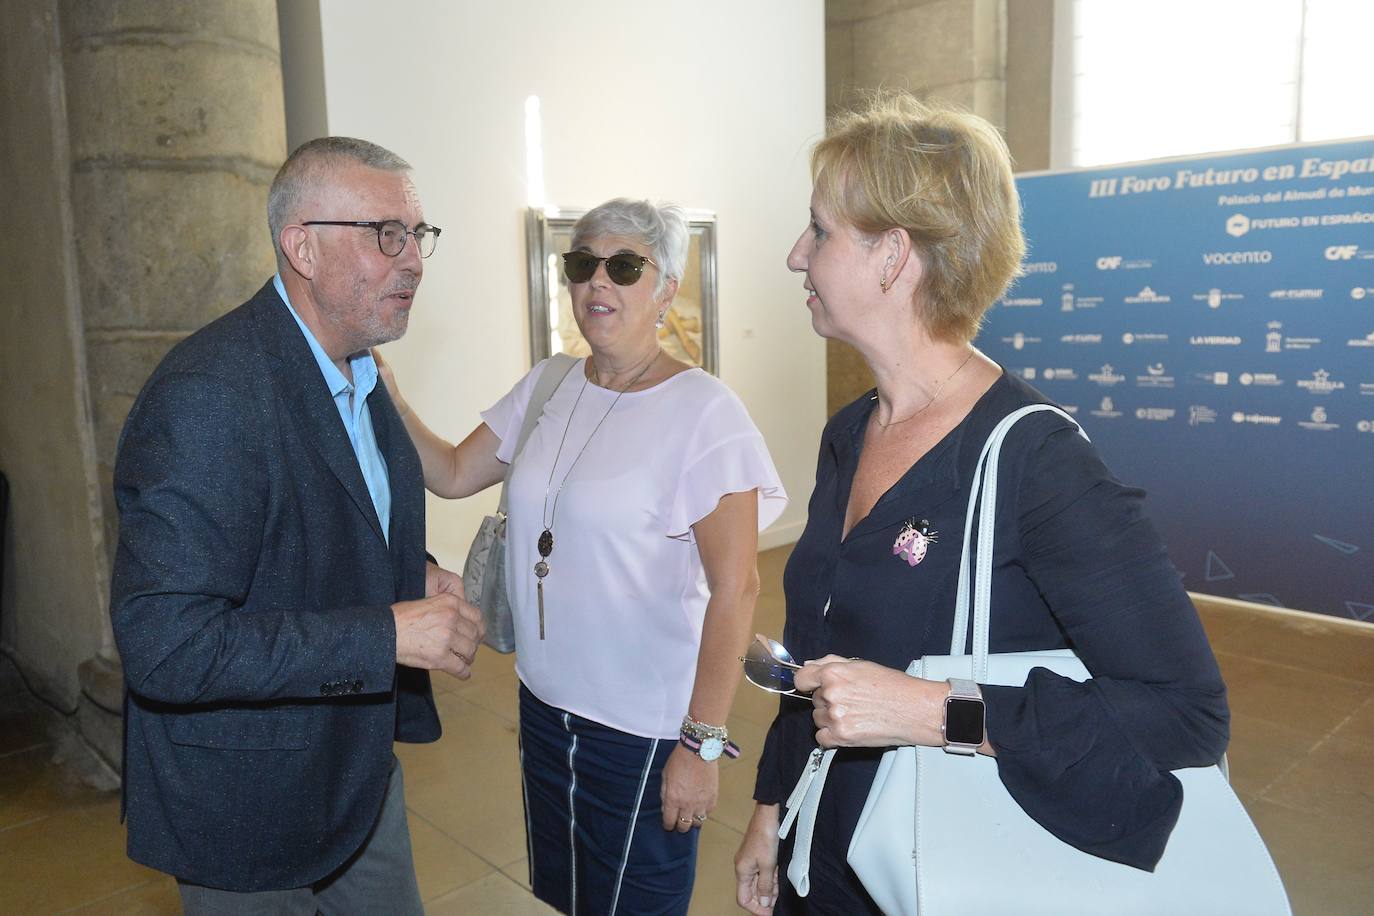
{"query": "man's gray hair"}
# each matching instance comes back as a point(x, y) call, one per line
point(306, 169)
point(663, 229)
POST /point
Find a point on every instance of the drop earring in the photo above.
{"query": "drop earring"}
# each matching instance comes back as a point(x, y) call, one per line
point(882, 284)
point(660, 322)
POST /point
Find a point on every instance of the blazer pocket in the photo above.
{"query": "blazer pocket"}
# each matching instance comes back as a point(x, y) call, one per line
point(241, 729)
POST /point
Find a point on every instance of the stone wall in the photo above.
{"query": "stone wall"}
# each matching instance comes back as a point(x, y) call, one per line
point(177, 128)
point(52, 612)
point(140, 140)
point(991, 57)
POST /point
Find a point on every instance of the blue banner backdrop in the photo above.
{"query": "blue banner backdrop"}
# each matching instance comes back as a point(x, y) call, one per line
point(1210, 322)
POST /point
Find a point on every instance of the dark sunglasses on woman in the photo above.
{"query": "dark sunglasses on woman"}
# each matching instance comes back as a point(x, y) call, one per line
point(623, 268)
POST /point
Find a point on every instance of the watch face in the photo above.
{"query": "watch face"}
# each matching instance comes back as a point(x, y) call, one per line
point(963, 721)
point(711, 748)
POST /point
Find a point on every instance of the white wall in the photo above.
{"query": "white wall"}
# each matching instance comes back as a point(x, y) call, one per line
point(711, 104)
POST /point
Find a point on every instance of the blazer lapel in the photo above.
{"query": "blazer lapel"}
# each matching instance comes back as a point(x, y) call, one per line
point(308, 398)
point(407, 484)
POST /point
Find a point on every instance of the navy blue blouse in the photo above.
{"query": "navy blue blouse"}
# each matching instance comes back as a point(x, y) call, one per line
point(1076, 564)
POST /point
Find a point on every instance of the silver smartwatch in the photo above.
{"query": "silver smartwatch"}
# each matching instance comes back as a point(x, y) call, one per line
point(965, 725)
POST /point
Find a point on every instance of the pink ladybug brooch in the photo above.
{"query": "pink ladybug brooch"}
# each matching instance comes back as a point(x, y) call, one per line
point(913, 541)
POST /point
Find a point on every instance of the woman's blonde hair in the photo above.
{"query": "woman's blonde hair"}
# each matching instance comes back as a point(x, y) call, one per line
point(944, 176)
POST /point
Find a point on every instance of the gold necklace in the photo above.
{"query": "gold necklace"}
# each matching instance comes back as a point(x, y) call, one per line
point(545, 544)
point(938, 388)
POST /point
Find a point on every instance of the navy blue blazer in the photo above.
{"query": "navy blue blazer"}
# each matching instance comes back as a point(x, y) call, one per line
point(251, 605)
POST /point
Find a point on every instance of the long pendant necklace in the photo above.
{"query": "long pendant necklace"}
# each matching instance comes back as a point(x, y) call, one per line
point(545, 545)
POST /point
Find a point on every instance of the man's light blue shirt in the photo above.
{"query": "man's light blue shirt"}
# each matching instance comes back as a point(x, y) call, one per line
point(351, 399)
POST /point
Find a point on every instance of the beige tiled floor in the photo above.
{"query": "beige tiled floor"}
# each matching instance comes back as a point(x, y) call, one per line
point(1302, 758)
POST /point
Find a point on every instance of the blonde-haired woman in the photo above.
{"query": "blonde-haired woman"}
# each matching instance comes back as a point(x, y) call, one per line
point(914, 233)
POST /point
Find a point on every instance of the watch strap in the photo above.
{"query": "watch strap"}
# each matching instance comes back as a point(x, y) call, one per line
point(963, 690)
point(694, 733)
point(730, 748)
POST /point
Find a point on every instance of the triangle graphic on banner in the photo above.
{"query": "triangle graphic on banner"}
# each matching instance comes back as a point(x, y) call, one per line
point(1360, 611)
point(1342, 546)
point(1217, 570)
point(1261, 598)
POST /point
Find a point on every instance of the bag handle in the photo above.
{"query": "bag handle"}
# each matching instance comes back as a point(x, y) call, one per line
point(550, 377)
point(986, 510)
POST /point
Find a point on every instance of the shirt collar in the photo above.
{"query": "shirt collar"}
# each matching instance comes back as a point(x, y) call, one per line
point(364, 366)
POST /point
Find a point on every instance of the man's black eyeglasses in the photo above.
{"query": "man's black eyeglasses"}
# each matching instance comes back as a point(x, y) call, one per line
point(391, 234)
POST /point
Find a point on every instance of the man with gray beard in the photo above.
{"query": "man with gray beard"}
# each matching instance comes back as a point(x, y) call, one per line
point(272, 600)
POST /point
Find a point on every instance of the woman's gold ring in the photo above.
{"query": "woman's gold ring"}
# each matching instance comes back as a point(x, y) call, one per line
point(684, 820)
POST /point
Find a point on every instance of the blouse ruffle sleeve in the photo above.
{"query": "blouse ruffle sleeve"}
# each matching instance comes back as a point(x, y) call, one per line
point(506, 416)
point(726, 454)
point(1090, 762)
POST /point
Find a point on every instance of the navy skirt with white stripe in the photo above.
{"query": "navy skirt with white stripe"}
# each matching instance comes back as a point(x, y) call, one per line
point(593, 818)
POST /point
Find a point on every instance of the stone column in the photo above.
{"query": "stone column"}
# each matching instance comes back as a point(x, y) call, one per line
point(175, 128)
point(953, 50)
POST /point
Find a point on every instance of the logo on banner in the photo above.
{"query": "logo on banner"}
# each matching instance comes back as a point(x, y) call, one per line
point(1318, 420)
point(1028, 373)
point(1154, 377)
point(1295, 293)
point(1260, 379)
point(1018, 340)
point(1060, 375)
point(1115, 261)
point(1214, 297)
point(1273, 340)
point(1040, 267)
point(1237, 257)
point(1238, 225)
point(1365, 426)
point(1107, 376)
point(1106, 409)
point(1081, 339)
point(1360, 292)
point(1214, 340)
point(1068, 301)
point(1258, 419)
point(1146, 296)
point(1365, 341)
point(1367, 388)
point(1023, 302)
point(1213, 378)
point(1320, 383)
point(1198, 414)
point(1132, 338)
point(1154, 413)
point(1342, 252)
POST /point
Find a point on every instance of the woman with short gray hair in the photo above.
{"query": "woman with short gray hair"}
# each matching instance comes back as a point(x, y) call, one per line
point(631, 540)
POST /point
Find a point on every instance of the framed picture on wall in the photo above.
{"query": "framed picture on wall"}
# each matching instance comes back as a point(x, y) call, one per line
point(689, 331)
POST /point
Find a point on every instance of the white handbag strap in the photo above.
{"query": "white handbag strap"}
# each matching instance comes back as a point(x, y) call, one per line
point(801, 811)
point(557, 369)
point(986, 511)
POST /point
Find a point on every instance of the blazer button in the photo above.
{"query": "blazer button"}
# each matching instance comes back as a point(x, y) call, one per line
point(325, 689)
point(357, 686)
